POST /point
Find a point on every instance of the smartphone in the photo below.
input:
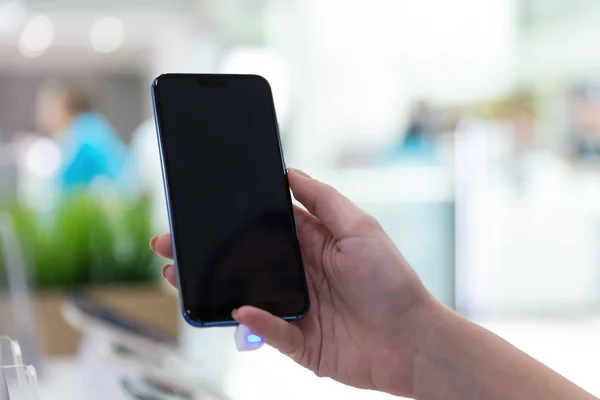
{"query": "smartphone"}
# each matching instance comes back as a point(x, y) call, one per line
point(228, 198)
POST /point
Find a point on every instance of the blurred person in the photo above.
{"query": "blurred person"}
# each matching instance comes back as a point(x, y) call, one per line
point(91, 149)
point(585, 129)
point(524, 121)
point(516, 119)
point(145, 156)
point(419, 126)
point(372, 323)
point(418, 137)
point(145, 170)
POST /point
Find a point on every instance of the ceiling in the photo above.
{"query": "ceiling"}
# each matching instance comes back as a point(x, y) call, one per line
point(154, 6)
point(144, 21)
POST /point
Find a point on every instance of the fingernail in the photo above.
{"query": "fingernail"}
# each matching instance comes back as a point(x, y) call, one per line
point(234, 313)
point(300, 172)
point(153, 242)
point(164, 271)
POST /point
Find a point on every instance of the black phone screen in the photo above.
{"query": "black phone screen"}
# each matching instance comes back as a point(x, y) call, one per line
point(229, 202)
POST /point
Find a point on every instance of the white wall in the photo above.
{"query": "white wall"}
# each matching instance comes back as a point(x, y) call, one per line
point(356, 65)
point(544, 242)
point(525, 247)
point(561, 51)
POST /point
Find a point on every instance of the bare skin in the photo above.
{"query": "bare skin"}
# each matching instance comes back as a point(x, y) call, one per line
point(372, 323)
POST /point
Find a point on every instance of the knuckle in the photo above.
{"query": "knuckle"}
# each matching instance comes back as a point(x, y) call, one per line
point(329, 190)
point(368, 222)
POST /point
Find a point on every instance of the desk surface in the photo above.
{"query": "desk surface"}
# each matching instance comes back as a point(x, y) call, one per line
point(568, 346)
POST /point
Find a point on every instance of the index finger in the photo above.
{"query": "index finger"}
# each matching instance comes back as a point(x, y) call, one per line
point(340, 216)
point(162, 246)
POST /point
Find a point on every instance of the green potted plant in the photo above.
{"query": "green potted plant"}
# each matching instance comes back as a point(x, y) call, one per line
point(96, 244)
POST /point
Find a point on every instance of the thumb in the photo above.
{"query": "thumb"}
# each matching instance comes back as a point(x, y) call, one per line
point(340, 216)
point(278, 333)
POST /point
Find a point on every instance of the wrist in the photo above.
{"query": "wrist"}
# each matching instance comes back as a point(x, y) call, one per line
point(420, 324)
point(438, 326)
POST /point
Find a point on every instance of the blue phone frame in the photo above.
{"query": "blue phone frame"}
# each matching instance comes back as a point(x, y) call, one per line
point(168, 201)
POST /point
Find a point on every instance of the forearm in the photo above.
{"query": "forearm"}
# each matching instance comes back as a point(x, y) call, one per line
point(459, 360)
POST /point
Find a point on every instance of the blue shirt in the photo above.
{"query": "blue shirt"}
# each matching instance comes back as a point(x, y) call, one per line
point(91, 149)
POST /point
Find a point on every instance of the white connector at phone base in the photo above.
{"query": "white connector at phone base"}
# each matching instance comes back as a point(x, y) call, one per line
point(246, 340)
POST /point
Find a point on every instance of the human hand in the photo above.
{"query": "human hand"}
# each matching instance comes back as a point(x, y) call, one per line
point(368, 307)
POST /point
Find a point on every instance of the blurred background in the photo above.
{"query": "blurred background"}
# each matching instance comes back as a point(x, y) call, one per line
point(470, 129)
